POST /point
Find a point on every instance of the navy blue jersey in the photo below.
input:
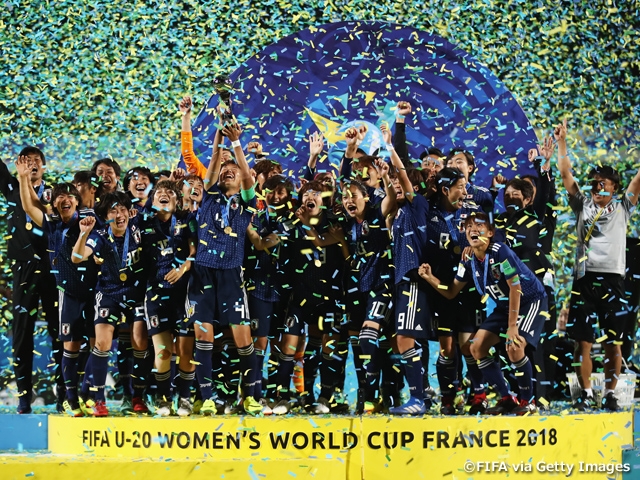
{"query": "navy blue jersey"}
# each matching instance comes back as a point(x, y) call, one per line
point(490, 276)
point(410, 236)
point(370, 247)
point(118, 279)
point(264, 276)
point(312, 272)
point(481, 197)
point(77, 280)
point(222, 229)
point(446, 239)
point(165, 246)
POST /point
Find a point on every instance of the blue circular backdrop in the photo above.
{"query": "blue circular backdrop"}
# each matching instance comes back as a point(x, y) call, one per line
point(328, 77)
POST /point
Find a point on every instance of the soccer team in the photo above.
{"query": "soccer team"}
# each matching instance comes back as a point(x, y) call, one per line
point(198, 273)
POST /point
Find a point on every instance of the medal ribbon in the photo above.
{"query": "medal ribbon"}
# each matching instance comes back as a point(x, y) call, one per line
point(453, 231)
point(481, 291)
point(225, 211)
point(125, 249)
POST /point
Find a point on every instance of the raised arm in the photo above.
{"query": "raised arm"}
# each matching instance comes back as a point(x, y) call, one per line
point(316, 146)
point(389, 203)
point(80, 250)
point(564, 164)
point(634, 189)
point(400, 138)
point(232, 132)
point(213, 171)
point(447, 291)
point(194, 165)
point(27, 196)
point(405, 183)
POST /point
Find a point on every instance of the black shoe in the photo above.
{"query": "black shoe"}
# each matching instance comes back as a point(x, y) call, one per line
point(584, 403)
point(448, 409)
point(505, 405)
point(609, 402)
point(428, 402)
point(479, 404)
point(24, 408)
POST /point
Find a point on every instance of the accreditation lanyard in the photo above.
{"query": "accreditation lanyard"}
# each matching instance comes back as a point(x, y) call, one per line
point(171, 231)
point(593, 225)
point(40, 192)
point(226, 209)
point(125, 249)
point(474, 271)
point(453, 231)
point(61, 238)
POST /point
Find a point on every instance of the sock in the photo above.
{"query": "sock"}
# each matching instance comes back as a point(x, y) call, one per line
point(608, 391)
point(185, 380)
point(70, 374)
point(413, 372)
point(329, 375)
point(475, 375)
point(174, 373)
point(87, 379)
point(358, 362)
point(424, 356)
point(203, 368)
point(248, 370)
point(259, 387)
point(99, 364)
point(447, 370)
point(493, 375)
point(228, 383)
point(163, 383)
point(525, 382)
point(285, 371)
point(141, 372)
point(342, 352)
point(369, 345)
point(83, 358)
point(312, 360)
point(125, 363)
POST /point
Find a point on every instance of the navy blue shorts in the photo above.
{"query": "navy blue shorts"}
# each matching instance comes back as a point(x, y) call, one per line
point(413, 318)
point(217, 297)
point(262, 314)
point(111, 312)
point(164, 309)
point(76, 317)
point(329, 316)
point(374, 306)
point(531, 320)
point(465, 313)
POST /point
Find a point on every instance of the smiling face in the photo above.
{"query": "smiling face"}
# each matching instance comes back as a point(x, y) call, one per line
point(459, 161)
point(37, 169)
point(602, 190)
point(118, 219)
point(277, 196)
point(139, 186)
point(455, 194)
point(354, 202)
point(192, 190)
point(327, 179)
point(312, 200)
point(66, 205)
point(478, 233)
point(367, 174)
point(165, 200)
point(108, 176)
point(229, 179)
point(432, 162)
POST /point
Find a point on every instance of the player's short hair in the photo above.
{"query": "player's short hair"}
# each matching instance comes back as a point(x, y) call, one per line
point(31, 150)
point(480, 217)
point(110, 201)
point(522, 185)
point(607, 173)
point(109, 162)
point(65, 189)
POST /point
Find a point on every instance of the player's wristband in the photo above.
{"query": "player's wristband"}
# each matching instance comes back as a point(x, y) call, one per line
point(390, 147)
point(235, 144)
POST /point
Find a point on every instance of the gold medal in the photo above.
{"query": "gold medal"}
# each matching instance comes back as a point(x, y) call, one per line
point(456, 250)
point(228, 230)
point(28, 226)
point(54, 262)
point(123, 277)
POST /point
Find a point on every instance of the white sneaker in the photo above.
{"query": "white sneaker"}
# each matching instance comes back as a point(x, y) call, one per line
point(266, 409)
point(281, 408)
point(322, 406)
point(163, 408)
point(184, 407)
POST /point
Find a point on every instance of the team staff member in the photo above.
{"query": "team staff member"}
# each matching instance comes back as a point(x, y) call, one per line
point(32, 279)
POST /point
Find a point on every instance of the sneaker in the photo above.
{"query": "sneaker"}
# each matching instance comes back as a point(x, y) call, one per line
point(609, 402)
point(322, 406)
point(505, 405)
point(24, 406)
point(127, 405)
point(197, 406)
point(139, 406)
point(584, 403)
point(525, 408)
point(208, 407)
point(72, 410)
point(266, 408)
point(231, 408)
point(415, 406)
point(184, 407)
point(340, 408)
point(372, 407)
point(447, 408)
point(479, 404)
point(86, 406)
point(163, 408)
point(100, 409)
point(428, 402)
point(252, 406)
point(281, 407)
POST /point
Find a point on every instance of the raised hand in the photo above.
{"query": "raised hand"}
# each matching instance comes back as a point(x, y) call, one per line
point(316, 144)
point(255, 148)
point(86, 225)
point(403, 108)
point(547, 148)
point(382, 167)
point(23, 166)
point(386, 133)
point(498, 180)
point(185, 104)
point(560, 132)
point(351, 136)
point(232, 132)
point(177, 175)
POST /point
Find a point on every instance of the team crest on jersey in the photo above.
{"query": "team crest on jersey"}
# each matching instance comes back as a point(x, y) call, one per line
point(365, 228)
point(154, 321)
point(104, 312)
point(290, 322)
point(495, 271)
point(234, 204)
point(46, 195)
point(65, 328)
point(136, 235)
point(254, 323)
